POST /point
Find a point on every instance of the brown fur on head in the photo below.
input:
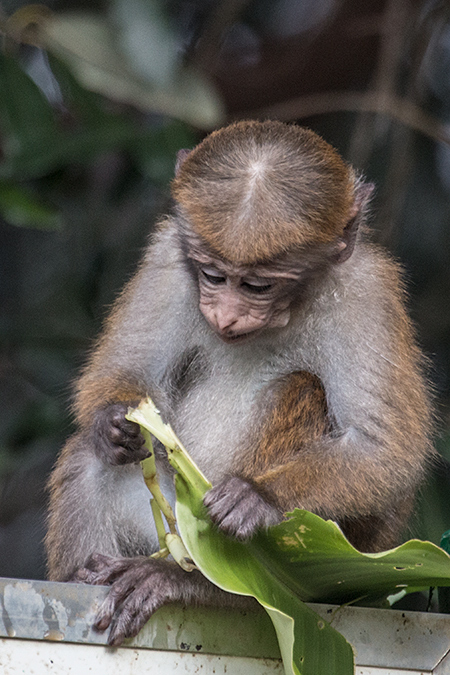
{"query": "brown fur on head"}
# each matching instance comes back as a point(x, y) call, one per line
point(257, 190)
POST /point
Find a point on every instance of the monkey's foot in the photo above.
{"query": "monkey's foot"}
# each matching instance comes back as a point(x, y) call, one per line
point(139, 586)
point(238, 509)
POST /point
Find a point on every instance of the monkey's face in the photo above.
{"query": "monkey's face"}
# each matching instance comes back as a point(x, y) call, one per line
point(238, 302)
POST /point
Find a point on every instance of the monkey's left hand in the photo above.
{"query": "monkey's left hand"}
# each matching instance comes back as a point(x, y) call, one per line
point(238, 509)
point(139, 586)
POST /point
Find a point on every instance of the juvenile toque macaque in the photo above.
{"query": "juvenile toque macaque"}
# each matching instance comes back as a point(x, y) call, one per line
point(275, 341)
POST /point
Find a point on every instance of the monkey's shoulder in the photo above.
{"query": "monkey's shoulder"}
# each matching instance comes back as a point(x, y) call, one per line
point(371, 277)
point(372, 264)
point(359, 305)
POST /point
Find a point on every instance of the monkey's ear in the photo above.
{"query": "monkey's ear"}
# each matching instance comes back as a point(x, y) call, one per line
point(347, 241)
point(181, 156)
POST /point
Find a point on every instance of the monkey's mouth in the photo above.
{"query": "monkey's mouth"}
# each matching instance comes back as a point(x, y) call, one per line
point(234, 339)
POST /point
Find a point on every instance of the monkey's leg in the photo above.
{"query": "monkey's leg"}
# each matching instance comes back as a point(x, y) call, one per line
point(96, 508)
point(100, 513)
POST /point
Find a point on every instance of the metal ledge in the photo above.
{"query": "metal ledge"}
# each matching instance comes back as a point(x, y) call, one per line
point(49, 625)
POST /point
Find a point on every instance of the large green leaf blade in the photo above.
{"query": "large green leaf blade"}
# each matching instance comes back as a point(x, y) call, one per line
point(318, 563)
point(309, 645)
point(303, 558)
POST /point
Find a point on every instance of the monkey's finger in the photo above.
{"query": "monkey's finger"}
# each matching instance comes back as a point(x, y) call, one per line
point(121, 436)
point(226, 497)
point(107, 610)
point(226, 494)
point(243, 526)
point(128, 623)
point(115, 599)
point(238, 509)
point(153, 584)
point(138, 608)
point(132, 578)
point(225, 508)
point(99, 561)
point(126, 426)
point(83, 576)
point(94, 565)
point(106, 569)
point(126, 451)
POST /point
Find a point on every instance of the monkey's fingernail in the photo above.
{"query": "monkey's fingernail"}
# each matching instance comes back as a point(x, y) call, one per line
point(102, 624)
point(115, 640)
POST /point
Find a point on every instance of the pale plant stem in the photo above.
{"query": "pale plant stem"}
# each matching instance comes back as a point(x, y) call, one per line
point(169, 542)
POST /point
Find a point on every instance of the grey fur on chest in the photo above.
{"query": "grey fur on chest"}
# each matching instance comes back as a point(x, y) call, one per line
point(215, 391)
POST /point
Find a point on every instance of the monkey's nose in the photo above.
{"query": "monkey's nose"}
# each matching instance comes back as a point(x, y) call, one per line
point(225, 320)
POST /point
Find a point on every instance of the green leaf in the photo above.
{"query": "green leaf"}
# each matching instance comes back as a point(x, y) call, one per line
point(27, 122)
point(19, 207)
point(147, 40)
point(309, 559)
point(308, 644)
point(304, 558)
point(319, 564)
point(89, 45)
point(34, 144)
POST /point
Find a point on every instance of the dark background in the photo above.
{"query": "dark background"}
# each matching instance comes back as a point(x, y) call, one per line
point(84, 175)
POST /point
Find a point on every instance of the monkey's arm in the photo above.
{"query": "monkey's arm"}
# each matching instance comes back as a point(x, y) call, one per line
point(262, 487)
point(358, 463)
point(365, 479)
point(141, 337)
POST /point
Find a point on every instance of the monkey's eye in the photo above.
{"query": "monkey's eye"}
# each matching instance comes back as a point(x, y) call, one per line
point(213, 277)
point(256, 288)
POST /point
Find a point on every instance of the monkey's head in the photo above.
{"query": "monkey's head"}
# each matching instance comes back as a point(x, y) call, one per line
point(264, 207)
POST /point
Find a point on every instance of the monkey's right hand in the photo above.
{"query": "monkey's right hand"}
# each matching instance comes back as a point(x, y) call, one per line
point(118, 441)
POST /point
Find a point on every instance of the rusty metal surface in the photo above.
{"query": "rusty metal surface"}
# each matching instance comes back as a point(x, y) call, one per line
point(64, 613)
point(388, 638)
point(43, 610)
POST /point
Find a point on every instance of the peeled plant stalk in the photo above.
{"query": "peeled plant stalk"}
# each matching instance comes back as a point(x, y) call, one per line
point(169, 542)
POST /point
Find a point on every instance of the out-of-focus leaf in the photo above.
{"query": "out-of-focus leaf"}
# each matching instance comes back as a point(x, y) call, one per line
point(27, 124)
point(87, 107)
point(35, 144)
point(153, 149)
point(155, 154)
point(90, 47)
point(22, 25)
point(19, 207)
point(146, 39)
